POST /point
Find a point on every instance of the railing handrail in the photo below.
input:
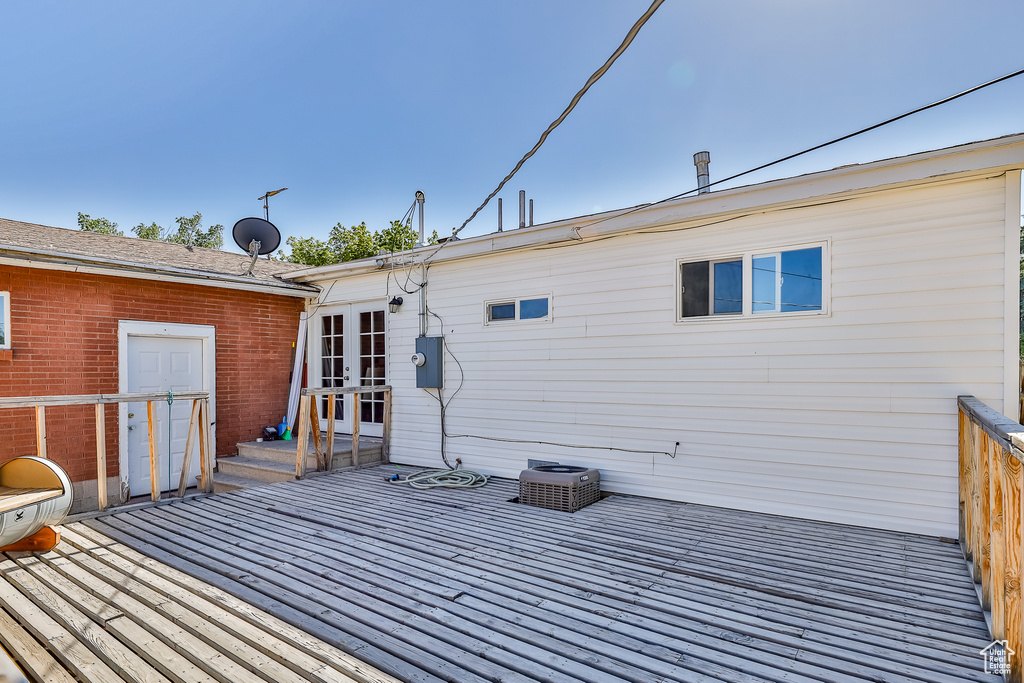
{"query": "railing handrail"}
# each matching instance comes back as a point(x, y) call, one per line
point(309, 420)
point(198, 430)
point(334, 391)
point(1004, 430)
point(92, 399)
point(991, 482)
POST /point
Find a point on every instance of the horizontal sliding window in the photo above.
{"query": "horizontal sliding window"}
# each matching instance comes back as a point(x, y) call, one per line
point(511, 310)
point(754, 284)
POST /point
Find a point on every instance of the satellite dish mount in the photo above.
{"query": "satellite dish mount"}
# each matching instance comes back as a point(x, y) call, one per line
point(257, 237)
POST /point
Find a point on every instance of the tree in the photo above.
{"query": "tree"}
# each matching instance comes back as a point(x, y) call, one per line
point(348, 244)
point(101, 225)
point(190, 232)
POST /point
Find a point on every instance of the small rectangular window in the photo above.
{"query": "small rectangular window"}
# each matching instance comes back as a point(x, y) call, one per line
point(712, 287)
point(532, 309)
point(537, 308)
point(502, 311)
point(5, 320)
point(787, 281)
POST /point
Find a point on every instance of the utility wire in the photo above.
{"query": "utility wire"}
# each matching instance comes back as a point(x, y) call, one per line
point(817, 147)
point(554, 124)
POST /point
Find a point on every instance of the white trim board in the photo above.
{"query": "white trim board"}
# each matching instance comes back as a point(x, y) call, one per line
point(141, 328)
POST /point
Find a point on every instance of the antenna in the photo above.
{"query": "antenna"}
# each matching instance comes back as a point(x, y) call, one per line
point(266, 205)
point(257, 237)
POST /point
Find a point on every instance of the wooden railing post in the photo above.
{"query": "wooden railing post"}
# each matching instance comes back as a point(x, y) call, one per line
point(385, 445)
point(975, 503)
point(101, 457)
point(985, 521)
point(963, 461)
point(154, 453)
point(355, 431)
point(41, 431)
point(997, 545)
point(206, 447)
point(190, 440)
point(331, 400)
point(318, 444)
point(1013, 482)
point(303, 435)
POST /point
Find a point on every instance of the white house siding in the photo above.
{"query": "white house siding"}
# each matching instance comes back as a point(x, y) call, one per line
point(847, 417)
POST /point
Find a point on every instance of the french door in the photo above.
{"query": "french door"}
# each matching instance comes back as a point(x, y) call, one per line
point(352, 344)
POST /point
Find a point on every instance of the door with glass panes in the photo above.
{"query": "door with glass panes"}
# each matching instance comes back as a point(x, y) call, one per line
point(352, 343)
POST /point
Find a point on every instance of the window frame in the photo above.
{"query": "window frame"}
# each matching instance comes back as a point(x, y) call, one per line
point(5, 319)
point(747, 256)
point(516, 320)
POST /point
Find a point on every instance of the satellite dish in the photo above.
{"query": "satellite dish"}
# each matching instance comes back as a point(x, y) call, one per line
point(249, 229)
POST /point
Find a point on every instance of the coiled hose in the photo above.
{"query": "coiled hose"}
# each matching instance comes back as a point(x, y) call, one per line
point(452, 479)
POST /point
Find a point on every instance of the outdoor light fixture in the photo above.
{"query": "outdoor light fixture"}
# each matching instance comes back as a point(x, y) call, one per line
point(394, 304)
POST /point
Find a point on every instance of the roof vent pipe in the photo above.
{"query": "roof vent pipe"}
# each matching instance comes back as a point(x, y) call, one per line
point(531, 213)
point(701, 161)
point(522, 208)
point(499, 214)
point(420, 199)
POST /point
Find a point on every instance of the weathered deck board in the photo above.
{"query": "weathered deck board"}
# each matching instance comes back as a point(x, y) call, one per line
point(464, 586)
point(98, 611)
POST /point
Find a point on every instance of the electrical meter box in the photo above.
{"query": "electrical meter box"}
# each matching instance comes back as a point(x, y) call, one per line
point(430, 375)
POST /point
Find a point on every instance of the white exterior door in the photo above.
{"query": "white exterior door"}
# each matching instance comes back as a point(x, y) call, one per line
point(352, 344)
point(161, 364)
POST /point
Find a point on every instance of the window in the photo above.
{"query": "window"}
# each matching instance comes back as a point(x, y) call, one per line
point(755, 284)
point(5, 320)
point(511, 310)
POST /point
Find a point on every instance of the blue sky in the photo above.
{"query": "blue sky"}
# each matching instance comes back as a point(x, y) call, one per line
point(141, 112)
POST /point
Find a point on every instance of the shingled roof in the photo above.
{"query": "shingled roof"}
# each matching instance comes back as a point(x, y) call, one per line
point(31, 242)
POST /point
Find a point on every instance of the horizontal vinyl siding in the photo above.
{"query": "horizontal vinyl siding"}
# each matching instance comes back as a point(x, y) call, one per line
point(846, 417)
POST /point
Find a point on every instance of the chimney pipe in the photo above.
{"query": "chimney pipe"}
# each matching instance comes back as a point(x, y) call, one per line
point(420, 199)
point(522, 208)
point(531, 213)
point(499, 214)
point(701, 161)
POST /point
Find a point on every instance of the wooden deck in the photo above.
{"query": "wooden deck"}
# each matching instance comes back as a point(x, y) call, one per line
point(464, 586)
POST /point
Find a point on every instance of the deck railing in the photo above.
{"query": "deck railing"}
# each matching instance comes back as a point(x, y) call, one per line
point(309, 417)
point(198, 427)
point(991, 481)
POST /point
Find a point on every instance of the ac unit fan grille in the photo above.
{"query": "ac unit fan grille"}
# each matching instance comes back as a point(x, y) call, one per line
point(568, 494)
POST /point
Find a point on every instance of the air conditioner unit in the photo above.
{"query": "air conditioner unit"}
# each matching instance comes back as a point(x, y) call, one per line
point(559, 487)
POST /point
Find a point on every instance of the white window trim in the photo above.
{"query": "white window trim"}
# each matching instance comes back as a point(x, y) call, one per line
point(748, 285)
point(517, 320)
point(6, 320)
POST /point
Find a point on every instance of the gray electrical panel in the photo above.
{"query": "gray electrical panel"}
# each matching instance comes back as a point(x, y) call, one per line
point(430, 375)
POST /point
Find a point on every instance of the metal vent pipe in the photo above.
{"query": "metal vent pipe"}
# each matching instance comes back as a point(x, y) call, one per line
point(531, 213)
point(499, 214)
point(701, 161)
point(522, 208)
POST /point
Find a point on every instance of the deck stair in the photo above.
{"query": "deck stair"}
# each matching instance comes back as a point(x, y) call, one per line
point(260, 463)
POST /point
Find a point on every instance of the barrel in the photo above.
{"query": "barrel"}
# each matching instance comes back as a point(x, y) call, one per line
point(45, 491)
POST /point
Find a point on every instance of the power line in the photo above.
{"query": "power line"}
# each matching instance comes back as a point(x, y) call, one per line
point(817, 147)
point(554, 124)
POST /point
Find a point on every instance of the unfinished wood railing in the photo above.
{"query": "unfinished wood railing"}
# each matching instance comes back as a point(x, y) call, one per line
point(309, 417)
point(991, 480)
point(199, 426)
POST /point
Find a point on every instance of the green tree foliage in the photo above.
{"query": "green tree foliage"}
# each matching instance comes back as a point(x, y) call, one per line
point(190, 232)
point(349, 244)
point(100, 225)
point(148, 232)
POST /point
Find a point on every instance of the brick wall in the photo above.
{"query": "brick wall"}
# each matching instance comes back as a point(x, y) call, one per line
point(64, 338)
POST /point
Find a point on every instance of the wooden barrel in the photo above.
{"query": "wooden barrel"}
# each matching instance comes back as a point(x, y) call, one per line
point(34, 493)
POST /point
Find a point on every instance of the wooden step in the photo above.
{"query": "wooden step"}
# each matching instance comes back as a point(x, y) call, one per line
point(284, 452)
point(223, 482)
point(256, 468)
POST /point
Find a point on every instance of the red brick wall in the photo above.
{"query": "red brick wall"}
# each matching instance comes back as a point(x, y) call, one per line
point(64, 339)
